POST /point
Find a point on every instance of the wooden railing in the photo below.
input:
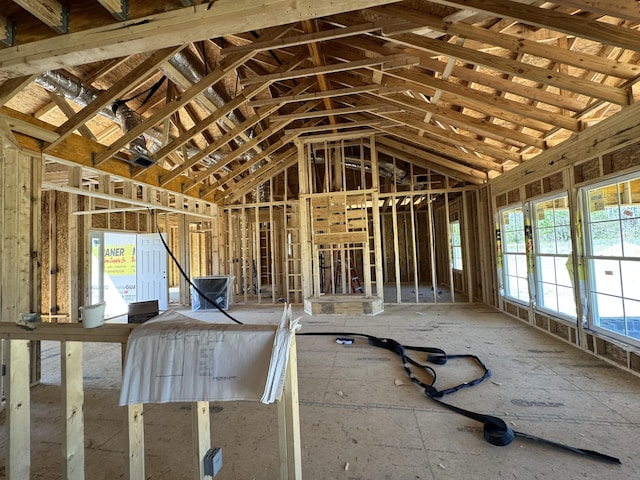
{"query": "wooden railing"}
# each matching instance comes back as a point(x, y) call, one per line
point(71, 337)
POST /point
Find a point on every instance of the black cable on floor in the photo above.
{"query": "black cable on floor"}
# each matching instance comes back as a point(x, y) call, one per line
point(495, 430)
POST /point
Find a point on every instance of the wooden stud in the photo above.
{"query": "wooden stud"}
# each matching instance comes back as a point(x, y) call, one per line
point(75, 180)
point(134, 426)
point(414, 246)
point(18, 413)
point(432, 249)
point(289, 421)
point(447, 222)
point(201, 431)
point(396, 251)
point(184, 258)
point(73, 401)
point(466, 238)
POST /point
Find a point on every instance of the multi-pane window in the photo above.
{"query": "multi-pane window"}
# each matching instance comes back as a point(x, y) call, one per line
point(514, 254)
point(456, 245)
point(553, 260)
point(612, 241)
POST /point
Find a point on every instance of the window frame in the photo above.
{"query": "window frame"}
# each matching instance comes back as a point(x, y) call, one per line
point(456, 246)
point(538, 255)
point(506, 292)
point(590, 258)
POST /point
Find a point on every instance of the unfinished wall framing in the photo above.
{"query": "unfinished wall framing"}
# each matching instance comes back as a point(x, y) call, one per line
point(606, 153)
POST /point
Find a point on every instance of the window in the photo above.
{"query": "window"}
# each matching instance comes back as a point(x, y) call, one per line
point(552, 252)
point(612, 241)
point(514, 254)
point(456, 245)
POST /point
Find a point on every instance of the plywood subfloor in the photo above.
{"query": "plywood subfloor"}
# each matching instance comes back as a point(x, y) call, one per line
point(361, 418)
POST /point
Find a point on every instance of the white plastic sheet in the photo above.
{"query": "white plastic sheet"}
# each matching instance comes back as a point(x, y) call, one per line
point(174, 358)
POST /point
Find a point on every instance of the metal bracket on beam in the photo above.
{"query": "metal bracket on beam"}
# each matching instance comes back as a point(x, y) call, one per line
point(123, 14)
point(119, 9)
point(187, 3)
point(9, 33)
point(64, 21)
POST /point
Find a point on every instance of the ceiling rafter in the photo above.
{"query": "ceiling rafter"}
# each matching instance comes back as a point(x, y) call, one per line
point(167, 29)
point(515, 44)
point(260, 138)
point(461, 95)
point(519, 69)
point(428, 63)
point(546, 18)
point(135, 77)
point(50, 12)
point(464, 91)
point(453, 138)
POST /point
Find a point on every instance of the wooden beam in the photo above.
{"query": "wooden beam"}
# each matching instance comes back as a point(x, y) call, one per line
point(391, 61)
point(304, 39)
point(264, 155)
point(68, 332)
point(578, 26)
point(541, 75)
point(166, 29)
point(63, 104)
point(77, 150)
point(118, 8)
point(335, 111)
point(467, 123)
point(201, 436)
point(73, 404)
point(462, 172)
point(283, 162)
point(124, 84)
point(318, 95)
point(229, 136)
point(134, 450)
point(330, 137)
point(49, 12)
point(201, 176)
point(456, 139)
point(289, 420)
point(517, 45)
point(169, 109)
point(460, 155)
point(427, 62)
point(339, 126)
point(26, 127)
point(13, 86)
point(227, 65)
point(611, 133)
point(206, 122)
point(627, 9)
point(18, 411)
point(318, 60)
point(520, 113)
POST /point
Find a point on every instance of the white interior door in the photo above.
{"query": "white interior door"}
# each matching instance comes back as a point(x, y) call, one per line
point(151, 270)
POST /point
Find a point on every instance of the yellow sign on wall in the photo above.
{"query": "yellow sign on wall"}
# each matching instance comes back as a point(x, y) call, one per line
point(120, 259)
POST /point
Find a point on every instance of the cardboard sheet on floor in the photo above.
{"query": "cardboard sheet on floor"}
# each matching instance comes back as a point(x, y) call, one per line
point(175, 358)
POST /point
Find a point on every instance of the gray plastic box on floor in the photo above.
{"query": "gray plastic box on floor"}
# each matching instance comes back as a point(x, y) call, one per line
point(213, 461)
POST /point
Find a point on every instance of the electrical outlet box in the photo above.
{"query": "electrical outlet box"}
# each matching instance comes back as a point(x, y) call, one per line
point(213, 461)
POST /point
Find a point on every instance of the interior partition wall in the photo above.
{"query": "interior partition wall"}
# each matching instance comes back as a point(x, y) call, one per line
point(340, 223)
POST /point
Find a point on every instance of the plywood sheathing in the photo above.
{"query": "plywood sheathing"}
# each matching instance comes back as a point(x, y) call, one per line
point(358, 398)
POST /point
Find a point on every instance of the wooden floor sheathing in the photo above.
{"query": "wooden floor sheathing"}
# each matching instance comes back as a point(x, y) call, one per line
point(361, 419)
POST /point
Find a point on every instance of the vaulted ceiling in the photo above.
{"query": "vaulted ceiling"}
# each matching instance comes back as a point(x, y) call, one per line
point(207, 97)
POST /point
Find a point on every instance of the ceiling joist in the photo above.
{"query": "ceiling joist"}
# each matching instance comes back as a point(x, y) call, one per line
point(218, 94)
